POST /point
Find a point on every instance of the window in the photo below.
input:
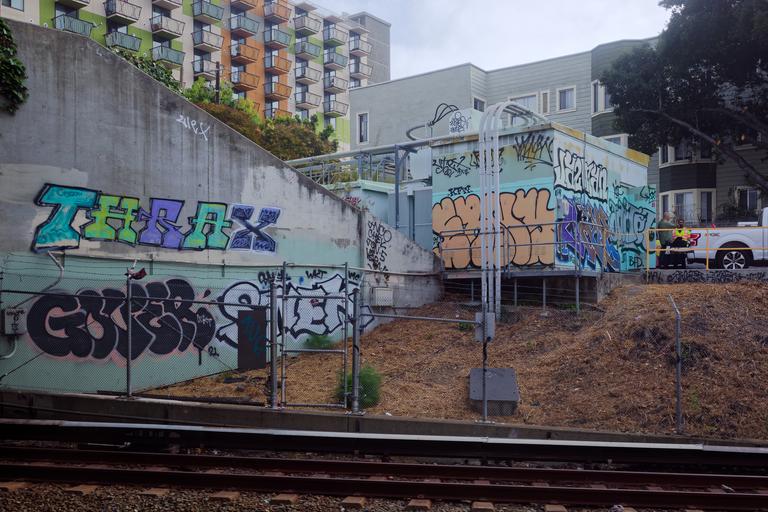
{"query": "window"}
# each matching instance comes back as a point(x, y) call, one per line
point(684, 206)
point(747, 198)
point(544, 102)
point(362, 128)
point(566, 99)
point(664, 154)
point(478, 104)
point(595, 97)
point(529, 101)
point(705, 151)
point(682, 151)
point(621, 139)
point(16, 4)
point(354, 83)
point(705, 205)
point(330, 121)
point(664, 203)
point(600, 98)
point(303, 114)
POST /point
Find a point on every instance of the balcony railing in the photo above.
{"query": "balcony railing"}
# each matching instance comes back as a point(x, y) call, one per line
point(243, 81)
point(307, 100)
point(276, 65)
point(335, 84)
point(243, 26)
point(72, 24)
point(168, 56)
point(333, 36)
point(167, 4)
point(242, 53)
point(335, 108)
point(277, 91)
point(360, 70)
point(120, 11)
point(273, 113)
point(276, 12)
point(167, 27)
point(306, 25)
point(207, 12)
point(276, 38)
point(307, 75)
point(204, 68)
point(306, 50)
point(206, 40)
point(243, 5)
point(359, 48)
point(124, 41)
point(333, 60)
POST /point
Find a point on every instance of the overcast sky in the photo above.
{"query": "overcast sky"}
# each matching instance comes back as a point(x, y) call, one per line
point(434, 34)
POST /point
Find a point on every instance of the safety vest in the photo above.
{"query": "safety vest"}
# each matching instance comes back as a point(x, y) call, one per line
point(683, 233)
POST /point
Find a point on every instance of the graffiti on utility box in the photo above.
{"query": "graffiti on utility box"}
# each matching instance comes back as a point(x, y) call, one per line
point(112, 218)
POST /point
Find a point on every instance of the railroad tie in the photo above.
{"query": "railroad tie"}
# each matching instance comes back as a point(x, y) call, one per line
point(14, 486)
point(482, 506)
point(555, 508)
point(284, 499)
point(155, 492)
point(225, 496)
point(81, 490)
point(419, 504)
point(354, 502)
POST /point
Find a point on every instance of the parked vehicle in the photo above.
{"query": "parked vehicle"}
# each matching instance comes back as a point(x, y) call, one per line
point(737, 248)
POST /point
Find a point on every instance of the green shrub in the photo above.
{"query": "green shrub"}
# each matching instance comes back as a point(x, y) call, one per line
point(13, 74)
point(319, 342)
point(466, 326)
point(370, 386)
point(152, 68)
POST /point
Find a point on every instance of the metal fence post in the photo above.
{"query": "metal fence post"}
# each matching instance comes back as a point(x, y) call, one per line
point(129, 311)
point(356, 326)
point(678, 371)
point(283, 336)
point(273, 402)
point(485, 365)
point(345, 334)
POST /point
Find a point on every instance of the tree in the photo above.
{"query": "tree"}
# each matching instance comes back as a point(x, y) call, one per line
point(705, 81)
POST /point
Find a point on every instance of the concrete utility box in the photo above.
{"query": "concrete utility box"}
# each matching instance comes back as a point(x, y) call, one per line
point(501, 390)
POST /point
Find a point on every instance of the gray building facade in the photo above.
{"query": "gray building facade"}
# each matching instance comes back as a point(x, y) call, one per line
point(378, 36)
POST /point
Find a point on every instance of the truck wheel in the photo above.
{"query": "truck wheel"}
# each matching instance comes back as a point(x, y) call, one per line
point(734, 260)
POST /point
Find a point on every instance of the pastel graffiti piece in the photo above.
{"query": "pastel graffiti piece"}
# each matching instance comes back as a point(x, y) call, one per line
point(376, 245)
point(569, 170)
point(533, 149)
point(57, 233)
point(252, 237)
point(208, 227)
point(456, 221)
point(93, 324)
point(122, 209)
point(163, 213)
point(583, 238)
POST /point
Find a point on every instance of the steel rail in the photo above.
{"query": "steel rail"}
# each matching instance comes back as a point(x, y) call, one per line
point(370, 468)
point(324, 485)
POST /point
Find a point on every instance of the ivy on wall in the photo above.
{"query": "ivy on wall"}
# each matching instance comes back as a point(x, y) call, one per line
point(152, 68)
point(13, 74)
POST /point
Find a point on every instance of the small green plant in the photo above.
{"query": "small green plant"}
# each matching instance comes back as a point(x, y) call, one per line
point(152, 68)
point(319, 342)
point(13, 74)
point(370, 386)
point(466, 326)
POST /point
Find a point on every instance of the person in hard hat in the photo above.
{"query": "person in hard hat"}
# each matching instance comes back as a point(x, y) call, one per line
point(681, 239)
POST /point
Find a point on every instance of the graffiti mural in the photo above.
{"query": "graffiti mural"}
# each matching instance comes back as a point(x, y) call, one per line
point(584, 238)
point(532, 149)
point(452, 166)
point(457, 222)
point(94, 323)
point(573, 173)
point(122, 219)
point(633, 211)
point(706, 276)
point(377, 244)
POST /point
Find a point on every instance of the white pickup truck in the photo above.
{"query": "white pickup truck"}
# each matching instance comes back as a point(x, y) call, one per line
point(747, 242)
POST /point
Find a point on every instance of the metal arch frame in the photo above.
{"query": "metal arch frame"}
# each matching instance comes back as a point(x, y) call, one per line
point(491, 124)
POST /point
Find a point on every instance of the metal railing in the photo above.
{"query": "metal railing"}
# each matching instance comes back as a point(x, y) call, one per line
point(276, 37)
point(122, 40)
point(209, 10)
point(242, 22)
point(333, 35)
point(166, 24)
point(203, 37)
point(306, 24)
point(123, 9)
point(358, 46)
point(167, 54)
point(302, 48)
point(72, 24)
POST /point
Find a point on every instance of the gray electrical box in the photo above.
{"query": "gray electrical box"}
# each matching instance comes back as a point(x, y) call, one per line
point(490, 326)
point(14, 321)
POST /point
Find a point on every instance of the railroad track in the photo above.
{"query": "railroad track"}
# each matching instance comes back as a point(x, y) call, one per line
point(388, 479)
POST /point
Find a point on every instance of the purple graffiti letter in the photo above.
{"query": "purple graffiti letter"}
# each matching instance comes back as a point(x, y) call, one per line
point(163, 212)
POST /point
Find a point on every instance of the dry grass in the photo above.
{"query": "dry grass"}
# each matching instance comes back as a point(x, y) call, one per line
point(611, 370)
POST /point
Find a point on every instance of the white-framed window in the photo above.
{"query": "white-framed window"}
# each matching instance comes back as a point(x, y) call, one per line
point(544, 97)
point(747, 198)
point(362, 128)
point(684, 153)
point(696, 206)
point(622, 139)
point(478, 104)
point(600, 98)
point(529, 101)
point(566, 99)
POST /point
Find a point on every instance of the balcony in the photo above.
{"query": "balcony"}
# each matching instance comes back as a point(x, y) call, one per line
point(243, 5)
point(359, 48)
point(75, 4)
point(334, 60)
point(334, 108)
point(206, 40)
point(167, 56)
point(335, 84)
point(277, 91)
point(166, 27)
point(243, 81)
point(72, 24)
point(242, 53)
point(274, 113)
point(307, 100)
point(207, 12)
point(121, 12)
point(276, 38)
point(277, 13)
point(333, 36)
point(307, 75)
point(167, 4)
point(124, 41)
point(359, 70)
point(306, 50)
point(243, 26)
point(305, 25)
point(276, 65)
point(204, 68)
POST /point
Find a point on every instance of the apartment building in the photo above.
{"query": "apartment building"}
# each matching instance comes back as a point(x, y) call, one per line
point(290, 58)
point(688, 179)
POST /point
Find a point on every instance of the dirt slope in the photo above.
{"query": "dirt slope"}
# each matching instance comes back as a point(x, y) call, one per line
point(611, 369)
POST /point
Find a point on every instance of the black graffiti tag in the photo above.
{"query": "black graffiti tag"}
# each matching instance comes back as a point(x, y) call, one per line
point(377, 244)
